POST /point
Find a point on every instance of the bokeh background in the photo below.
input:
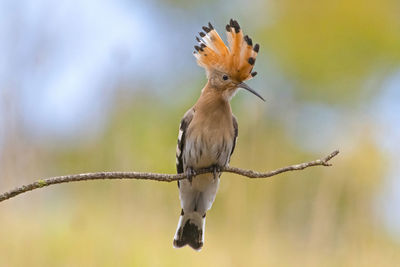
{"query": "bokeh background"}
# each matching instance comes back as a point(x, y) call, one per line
point(101, 85)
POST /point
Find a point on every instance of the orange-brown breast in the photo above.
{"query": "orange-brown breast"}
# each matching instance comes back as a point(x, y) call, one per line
point(210, 135)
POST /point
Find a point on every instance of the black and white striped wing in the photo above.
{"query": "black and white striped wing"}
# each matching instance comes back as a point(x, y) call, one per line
point(187, 118)
point(236, 131)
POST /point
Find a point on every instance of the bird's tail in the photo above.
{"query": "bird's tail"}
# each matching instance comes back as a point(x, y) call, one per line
point(190, 230)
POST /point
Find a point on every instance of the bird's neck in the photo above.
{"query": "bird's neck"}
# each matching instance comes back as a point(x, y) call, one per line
point(212, 102)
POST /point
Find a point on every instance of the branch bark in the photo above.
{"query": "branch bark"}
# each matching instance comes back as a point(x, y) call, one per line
point(158, 176)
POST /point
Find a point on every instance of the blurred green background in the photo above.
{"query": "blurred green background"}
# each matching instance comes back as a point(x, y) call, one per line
point(91, 86)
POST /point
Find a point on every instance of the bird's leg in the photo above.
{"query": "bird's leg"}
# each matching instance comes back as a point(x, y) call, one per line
point(216, 170)
point(190, 173)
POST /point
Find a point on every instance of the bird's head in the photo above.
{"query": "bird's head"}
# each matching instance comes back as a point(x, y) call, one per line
point(227, 68)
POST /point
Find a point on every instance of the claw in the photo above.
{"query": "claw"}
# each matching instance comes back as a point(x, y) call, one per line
point(190, 173)
point(216, 170)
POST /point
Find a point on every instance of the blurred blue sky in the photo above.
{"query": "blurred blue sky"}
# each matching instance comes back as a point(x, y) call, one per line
point(63, 59)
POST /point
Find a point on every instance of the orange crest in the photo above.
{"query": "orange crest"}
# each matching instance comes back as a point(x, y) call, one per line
point(237, 61)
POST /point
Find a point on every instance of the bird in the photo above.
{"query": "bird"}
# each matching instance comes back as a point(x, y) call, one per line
point(208, 131)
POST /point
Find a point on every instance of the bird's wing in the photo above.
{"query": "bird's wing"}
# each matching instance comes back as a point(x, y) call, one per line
point(187, 118)
point(236, 131)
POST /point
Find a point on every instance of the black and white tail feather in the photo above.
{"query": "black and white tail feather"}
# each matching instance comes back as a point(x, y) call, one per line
point(190, 230)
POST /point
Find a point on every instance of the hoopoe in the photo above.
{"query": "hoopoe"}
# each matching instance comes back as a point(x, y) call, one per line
point(208, 131)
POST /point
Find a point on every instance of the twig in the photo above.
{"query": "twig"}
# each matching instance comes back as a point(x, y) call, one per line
point(157, 176)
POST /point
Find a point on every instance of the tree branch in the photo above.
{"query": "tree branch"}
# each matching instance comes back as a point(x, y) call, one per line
point(158, 176)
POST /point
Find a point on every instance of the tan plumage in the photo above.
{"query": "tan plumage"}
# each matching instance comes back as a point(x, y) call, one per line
point(213, 117)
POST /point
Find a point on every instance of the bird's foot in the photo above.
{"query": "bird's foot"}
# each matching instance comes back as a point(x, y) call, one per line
point(190, 173)
point(216, 170)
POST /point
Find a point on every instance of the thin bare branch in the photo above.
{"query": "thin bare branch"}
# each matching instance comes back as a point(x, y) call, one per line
point(157, 176)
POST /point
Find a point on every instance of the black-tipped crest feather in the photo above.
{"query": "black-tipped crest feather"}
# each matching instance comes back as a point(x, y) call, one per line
point(251, 60)
point(256, 48)
point(248, 40)
point(237, 60)
point(236, 26)
point(207, 30)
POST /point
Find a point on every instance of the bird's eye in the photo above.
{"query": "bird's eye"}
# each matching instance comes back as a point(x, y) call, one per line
point(225, 77)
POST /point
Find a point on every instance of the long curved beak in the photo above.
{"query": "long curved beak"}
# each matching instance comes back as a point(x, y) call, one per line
point(248, 88)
